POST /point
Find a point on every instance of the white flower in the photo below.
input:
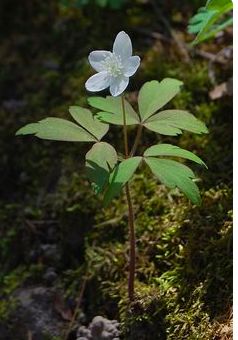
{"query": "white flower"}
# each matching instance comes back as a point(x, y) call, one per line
point(114, 68)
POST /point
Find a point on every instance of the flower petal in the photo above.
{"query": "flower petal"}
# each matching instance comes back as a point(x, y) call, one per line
point(131, 66)
point(122, 46)
point(118, 85)
point(98, 82)
point(96, 59)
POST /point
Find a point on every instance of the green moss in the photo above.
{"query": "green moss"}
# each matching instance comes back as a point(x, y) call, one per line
point(179, 249)
point(8, 285)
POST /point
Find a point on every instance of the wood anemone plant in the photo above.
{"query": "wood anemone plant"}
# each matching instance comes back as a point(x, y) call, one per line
point(107, 172)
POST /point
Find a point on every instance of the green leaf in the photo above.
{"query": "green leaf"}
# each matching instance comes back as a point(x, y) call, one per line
point(200, 20)
point(172, 150)
point(154, 95)
point(84, 117)
point(208, 21)
point(212, 31)
point(112, 110)
point(220, 5)
point(174, 174)
point(120, 176)
point(116, 119)
point(100, 161)
point(57, 129)
point(172, 122)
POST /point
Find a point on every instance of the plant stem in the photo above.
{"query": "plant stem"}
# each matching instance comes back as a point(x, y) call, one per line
point(76, 310)
point(132, 240)
point(125, 127)
point(132, 252)
point(137, 140)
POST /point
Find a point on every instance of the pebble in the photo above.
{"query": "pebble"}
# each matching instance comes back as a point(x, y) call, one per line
point(99, 329)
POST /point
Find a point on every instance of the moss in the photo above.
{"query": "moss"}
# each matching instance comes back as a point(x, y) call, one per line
point(179, 249)
point(8, 285)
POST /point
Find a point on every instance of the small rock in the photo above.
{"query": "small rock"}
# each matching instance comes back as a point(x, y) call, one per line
point(114, 322)
point(50, 276)
point(35, 313)
point(100, 328)
point(50, 253)
point(97, 326)
point(106, 336)
point(83, 331)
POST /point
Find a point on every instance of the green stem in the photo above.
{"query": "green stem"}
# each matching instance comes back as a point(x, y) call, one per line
point(132, 252)
point(125, 127)
point(137, 140)
point(132, 240)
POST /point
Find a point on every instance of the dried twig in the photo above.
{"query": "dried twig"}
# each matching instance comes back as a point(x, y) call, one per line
point(221, 57)
point(29, 335)
point(214, 58)
point(31, 226)
point(76, 310)
point(180, 44)
point(152, 35)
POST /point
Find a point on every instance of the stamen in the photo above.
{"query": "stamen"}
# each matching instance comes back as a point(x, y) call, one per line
point(113, 65)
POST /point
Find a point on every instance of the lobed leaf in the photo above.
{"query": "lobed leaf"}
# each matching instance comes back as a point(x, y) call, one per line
point(174, 174)
point(112, 110)
point(172, 122)
point(84, 117)
point(100, 161)
point(208, 21)
point(120, 176)
point(154, 95)
point(200, 20)
point(53, 128)
point(172, 150)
